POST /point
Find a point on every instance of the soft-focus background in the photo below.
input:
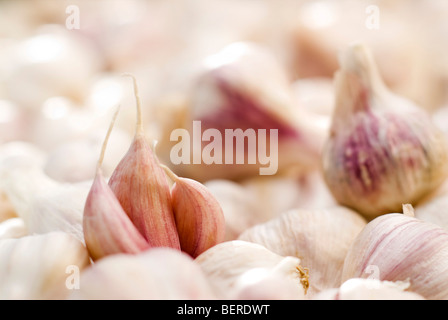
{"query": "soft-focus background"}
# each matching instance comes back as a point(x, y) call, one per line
point(60, 78)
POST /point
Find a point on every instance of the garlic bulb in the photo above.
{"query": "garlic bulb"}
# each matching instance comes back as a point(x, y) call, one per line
point(226, 263)
point(158, 273)
point(242, 93)
point(369, 289)
point(40, 267)
point(320, 238)
point(383, 150)
point(399, 247)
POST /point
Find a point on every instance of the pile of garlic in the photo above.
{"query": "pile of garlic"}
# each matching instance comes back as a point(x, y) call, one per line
point(92, 205)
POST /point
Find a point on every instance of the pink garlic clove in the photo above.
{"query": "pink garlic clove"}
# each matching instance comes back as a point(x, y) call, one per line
point(107, 228)
point(142, 189)
point(199, 217)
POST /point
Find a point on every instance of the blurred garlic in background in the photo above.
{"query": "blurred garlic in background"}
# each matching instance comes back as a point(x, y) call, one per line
point(53, 62)
point(325, 27)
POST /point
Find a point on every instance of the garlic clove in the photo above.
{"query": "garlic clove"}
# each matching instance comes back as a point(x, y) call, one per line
point(225, 264)
point(369, 289)
point(12, 228)
point(40, 267)
point(142, 189)
point(315, 237)
point(399, 247)
point(107, 229)
point(156, 274)
point(383, 150)
point(199, 217)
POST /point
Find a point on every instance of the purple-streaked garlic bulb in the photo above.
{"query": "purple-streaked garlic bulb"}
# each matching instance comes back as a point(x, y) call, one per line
point(242, 93)
point(400, 247)
point(383, 150)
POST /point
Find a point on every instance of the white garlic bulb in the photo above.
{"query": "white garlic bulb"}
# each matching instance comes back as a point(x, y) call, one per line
point(369, 289)
point(399, 247)
point(158, 273)
point(320, 238)
point(383, 150)
point(228, 265)
point(40, 267)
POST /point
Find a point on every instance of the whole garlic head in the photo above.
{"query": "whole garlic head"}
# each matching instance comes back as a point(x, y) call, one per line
point(320, 238)
point(399, 247)
point(383, 150)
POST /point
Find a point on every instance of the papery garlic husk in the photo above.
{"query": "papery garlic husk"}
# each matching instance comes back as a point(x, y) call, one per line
point(199, 218)
point(141, 187)
point(369, 289)
point(13, 228)
point(156, 274)
point(41, 267)
point(242, 87)
point(383, 150)
point(399, 247)
point(225, 264)
point(319, 238)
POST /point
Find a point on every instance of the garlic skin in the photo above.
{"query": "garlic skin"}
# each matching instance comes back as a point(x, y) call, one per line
point(225, 264)
point(383, 150)
point(155, 274)
point(369, 289)
point(399, 247)
point(315, 237)
point(36, 267)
